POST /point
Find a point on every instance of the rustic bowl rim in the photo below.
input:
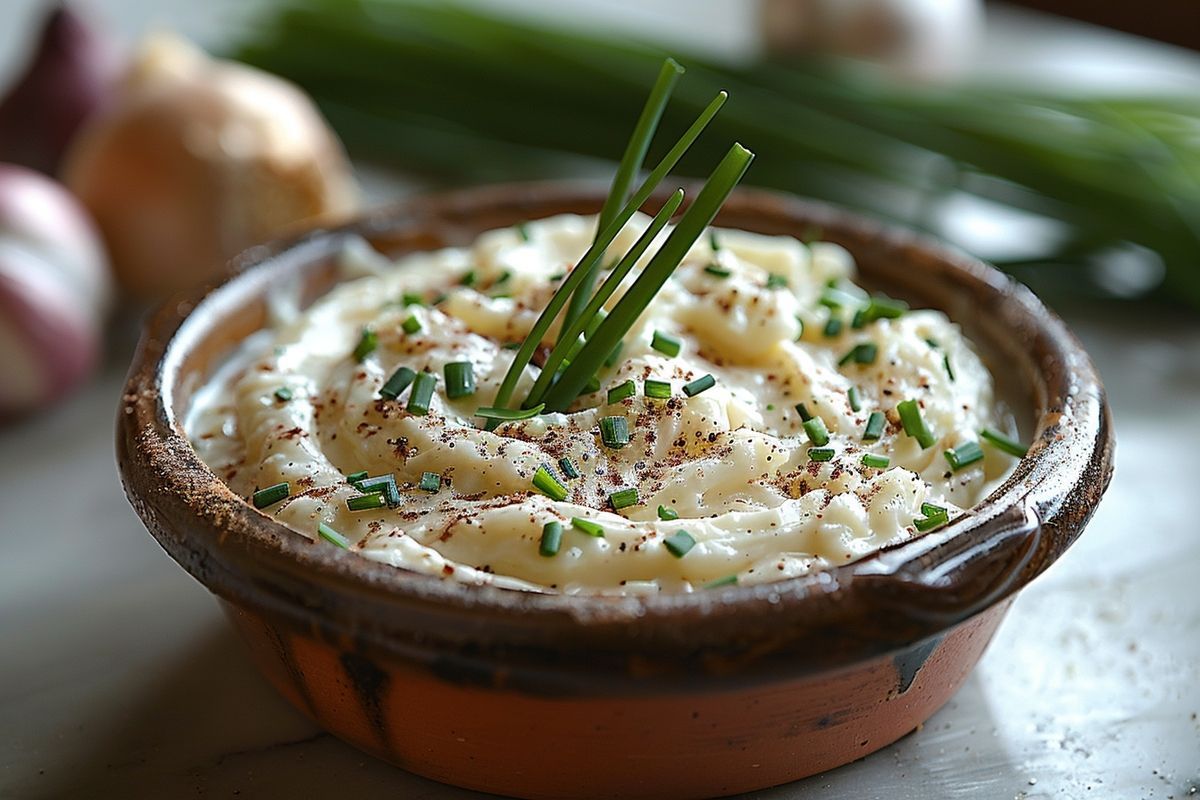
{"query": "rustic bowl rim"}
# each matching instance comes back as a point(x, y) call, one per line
point(900, 595)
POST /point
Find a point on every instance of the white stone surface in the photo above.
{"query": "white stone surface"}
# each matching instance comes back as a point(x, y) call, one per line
point(120, 679)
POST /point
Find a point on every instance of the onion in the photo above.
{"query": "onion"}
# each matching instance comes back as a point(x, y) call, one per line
point(69, 78)
point(929, 39)
point(54, 291)
point(199, 159)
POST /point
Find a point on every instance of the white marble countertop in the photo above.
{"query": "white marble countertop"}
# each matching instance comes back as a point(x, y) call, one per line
point(120, 678)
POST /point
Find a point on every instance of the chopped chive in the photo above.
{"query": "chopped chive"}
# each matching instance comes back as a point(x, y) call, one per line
point(964, 455)
point(816, 430)
point(383, 484)
point(717, 272)
point(658, 390)
point(667, 514)
point(333, 537)
point(270, 495)
point(622, 390)
point(679, 543)
point(859, 320)
point(855, 402)
point(355, 477)
point(914, 425)
point(713, 242)
point(820, 453)
point(803, 411)
point(949, 369)
point(430, 482)
point(701, 384)
point(776, 281)
point(548, 485)
point(614, 432)
point(283, 394)
point(935, 517)
point(835, 298)
point(365, 502)
point(864, 353)
point(468, 278)
point(587, 526)
point(568, 468)
point(411, 299)
point(558, 276)
point(663, 343)
point(875, 462)
point(623, 498)
point(551, 539)
point(800, 322)
point(728, 580)
point(874, 427)
point(460, 379)
point(422, 393)
point(367, 342)
point(411, 325)
point(881, 308)
point(396, 384)
point(522, 231)
point(1003, 443)
point(502, 278)
point(833, 327)
point(509, 414)
point(932, 343)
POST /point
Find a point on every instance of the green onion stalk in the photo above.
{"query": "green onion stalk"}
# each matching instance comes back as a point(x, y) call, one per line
point(477, 97)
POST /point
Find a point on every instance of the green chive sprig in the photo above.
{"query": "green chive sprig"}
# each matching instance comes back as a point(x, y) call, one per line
point(365, 502)
point(964, 455)
point(701, 384)
point(509, 414)
point(460, 379)
point(330, 535)
point(623, 498)
point(665, 344)
point(621, 391)
point(874, 428)
point(594, 529)
point(368, 340)
point(551, 541)
point(914, 424)
point(397, 383)
point(421, 395)
point(614, 432)
point(816, 430)
point(1004, 443)
point(667, 514)
point(656, 390)
point(679, 543)
point(548, 485)
point(264, 498)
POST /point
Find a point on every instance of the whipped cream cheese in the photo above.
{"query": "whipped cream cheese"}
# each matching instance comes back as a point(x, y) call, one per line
point(734, 463)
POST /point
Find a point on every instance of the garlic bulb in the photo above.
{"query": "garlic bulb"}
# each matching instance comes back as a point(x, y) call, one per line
point(199, 159)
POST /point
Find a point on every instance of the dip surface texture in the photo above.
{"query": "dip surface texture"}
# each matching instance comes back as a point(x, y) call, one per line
point(748, 492)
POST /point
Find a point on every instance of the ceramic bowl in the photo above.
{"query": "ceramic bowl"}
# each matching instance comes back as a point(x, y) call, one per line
point(681, 695)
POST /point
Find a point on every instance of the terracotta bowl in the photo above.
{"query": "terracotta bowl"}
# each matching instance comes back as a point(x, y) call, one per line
point(548, 696)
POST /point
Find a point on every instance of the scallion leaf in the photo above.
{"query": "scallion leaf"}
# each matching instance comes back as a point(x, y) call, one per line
point(875, 461)
point(914, 425)
point(460, 379)
point(551, 540)
point(1003, 443)
point(509, 414)
point(568, 468)
point(816, 430)
point(874, 428)
point(833, 327)
point(852, 396)
point(411, 324)
point(679, 543)
point(270, 495)
point(802, 410)
point(382, 484)
point(701, 384)
point(422, 393)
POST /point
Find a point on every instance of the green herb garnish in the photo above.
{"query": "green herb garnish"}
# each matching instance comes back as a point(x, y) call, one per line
point(614, 432)
point(411, 299)
point(460, 379)
point(587, 526)
point(568, 468)
point(728, 580)
point(864, 353)
point(717, 272)
point(621, 391)
point(548, 485)
point(875, 462)
point(1003, 443)
point(820, 453)
point(367, 342)
point(384, 485)
point(816, 430)
point(411, 324)
point(623, 498)
point(964, 455)
point(802, 410)
point(396, 384)
point(935, 517)
point(270, 495)
point(508, 414)
point(699, 385)
point(667, 345)
point(283, 394)
point(355, 477)
point(874, 428)
point(667, 514)
point(422, 393)
point(914, 425)
point(657, 390)
point(852, 396)
point(679, 543)
point(333, 537)
point(551, 540)
point(776, 281)
point(833, 327)
point(365, 502)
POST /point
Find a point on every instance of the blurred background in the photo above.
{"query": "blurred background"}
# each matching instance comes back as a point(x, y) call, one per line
point(142, 145)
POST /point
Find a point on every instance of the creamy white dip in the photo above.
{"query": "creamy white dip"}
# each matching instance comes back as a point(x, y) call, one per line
point(733, 462)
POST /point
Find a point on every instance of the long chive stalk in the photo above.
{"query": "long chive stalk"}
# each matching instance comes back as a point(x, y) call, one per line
point(631, 162)
point(690, 228)
point(575, 278)
point(572, 331)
